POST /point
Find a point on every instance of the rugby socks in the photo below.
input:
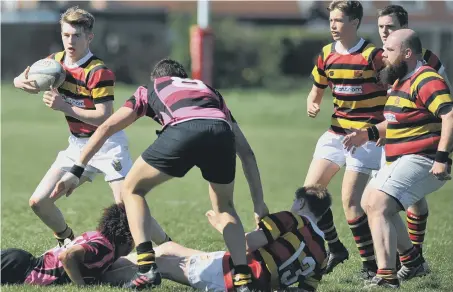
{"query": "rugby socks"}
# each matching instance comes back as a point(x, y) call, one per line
point(330, 232)
point(411, 258)
point(66, 233)
point(364, 241)
point(242, 275)
point(146, 257)
point(416, 226)
point(388, 275)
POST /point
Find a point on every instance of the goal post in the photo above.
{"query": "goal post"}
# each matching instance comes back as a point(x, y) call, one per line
point(202, 44)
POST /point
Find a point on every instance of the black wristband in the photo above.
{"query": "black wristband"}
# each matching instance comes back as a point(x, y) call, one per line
point(373, 133)
point(441, 156)
point(77, 170)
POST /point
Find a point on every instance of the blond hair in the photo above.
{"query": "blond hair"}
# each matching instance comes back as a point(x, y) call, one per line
point(352, 9)
point(78, 17)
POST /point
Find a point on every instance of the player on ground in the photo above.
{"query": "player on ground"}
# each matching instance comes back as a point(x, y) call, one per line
point(390, 19)
point(86, 99)
point(81, 261)
point(419, 137)
point(198, 130)
point(287, 249)
point(349, 66)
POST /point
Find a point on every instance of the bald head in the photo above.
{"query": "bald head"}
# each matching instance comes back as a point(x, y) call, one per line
point(407, 39)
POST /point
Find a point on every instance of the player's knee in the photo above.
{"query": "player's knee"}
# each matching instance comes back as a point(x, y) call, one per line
point(34, 203)
point(350, 200)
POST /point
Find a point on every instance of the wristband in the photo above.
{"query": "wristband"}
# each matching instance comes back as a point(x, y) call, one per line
point(373, 133)
point(442, 156)
point(77, 170)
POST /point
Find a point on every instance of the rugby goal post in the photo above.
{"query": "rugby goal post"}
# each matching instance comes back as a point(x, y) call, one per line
point(202, 45)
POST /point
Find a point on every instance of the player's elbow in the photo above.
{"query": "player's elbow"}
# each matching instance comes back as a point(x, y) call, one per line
point(66, 257)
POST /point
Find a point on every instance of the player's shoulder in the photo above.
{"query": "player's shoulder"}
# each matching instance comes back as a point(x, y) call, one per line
point(369, 50)
point(58, 56)
point(327, 50)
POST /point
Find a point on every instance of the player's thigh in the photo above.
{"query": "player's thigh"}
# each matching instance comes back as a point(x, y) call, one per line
point(407, 179)
point(16, 264)
point(328, 158)
point(216, 154)
point(171, 248)
point(205, 271)
point(116, 186)
point(142, 178)
point(365, 158)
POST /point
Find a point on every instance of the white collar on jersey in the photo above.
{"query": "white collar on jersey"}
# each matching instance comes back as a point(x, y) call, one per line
point(409, 75)
point(351, 50)
point(79, 62)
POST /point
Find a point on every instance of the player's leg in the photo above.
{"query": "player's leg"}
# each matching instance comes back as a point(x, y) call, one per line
point(417, 221)
point(16, 264)
point(396, 189)
point(44, 207)
point(358, 169)
point(116, 186)
point(216, 158)
point(327, 160)
point(166, 158)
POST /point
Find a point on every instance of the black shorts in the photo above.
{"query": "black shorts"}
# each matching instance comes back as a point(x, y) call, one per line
point(208, 144)
point(16, 265)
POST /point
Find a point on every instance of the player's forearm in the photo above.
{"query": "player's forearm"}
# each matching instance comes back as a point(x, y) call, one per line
point(252, 175)
point(102, 133)
point(446, 137)
point(382, 128)
point(315, 95)
point(71, 265)
point(92, 117)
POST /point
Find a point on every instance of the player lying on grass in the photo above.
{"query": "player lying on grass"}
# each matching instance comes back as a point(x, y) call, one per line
point(197, 130)
point(81, 261)
point(288, 248)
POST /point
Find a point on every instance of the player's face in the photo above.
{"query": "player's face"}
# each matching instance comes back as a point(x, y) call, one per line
point(341, 27)
point(75, 41)
point(387, 24)
point(392, 51)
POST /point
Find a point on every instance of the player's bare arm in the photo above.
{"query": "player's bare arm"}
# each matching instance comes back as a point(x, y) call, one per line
point(251, 172)
point(359, 137)
point(93, 117)
point(440, 166)
point(314, 101)
point(27, 85)
point(121, 119)
point(71, 259)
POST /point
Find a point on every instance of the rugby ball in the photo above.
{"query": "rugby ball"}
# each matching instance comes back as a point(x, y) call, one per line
point(47, 73)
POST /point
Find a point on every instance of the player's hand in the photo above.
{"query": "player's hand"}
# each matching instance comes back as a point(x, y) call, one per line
point(215, 221)
point(312, 109)
point(27, 85)
point(261, 211)
point(54, 100)
point(380, 142)
point(442, 171)
point(66, 185)
point(356, 139)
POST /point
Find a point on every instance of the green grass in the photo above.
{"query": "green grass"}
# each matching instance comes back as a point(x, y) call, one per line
point(283, 139)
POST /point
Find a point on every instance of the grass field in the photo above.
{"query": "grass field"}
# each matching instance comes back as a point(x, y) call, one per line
point(282, 137)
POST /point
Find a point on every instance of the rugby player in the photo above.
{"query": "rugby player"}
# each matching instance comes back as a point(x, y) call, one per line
point(81, 261)
point(390, 19)
point(198, 130)
point(350, 66)
point(288, 249)
point(419, 136)
point(86, 99)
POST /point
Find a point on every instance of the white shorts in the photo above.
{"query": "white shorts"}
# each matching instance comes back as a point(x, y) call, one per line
point(364, 160)
point(206, 271)
point(407, 179)
point(113, 159)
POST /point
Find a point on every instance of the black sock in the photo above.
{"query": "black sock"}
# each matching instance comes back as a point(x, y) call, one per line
point(242, 275)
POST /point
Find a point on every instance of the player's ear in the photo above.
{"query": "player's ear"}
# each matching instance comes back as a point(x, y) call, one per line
point(90, 37)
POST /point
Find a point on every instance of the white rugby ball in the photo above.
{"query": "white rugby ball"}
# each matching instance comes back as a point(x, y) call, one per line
point(47, 73)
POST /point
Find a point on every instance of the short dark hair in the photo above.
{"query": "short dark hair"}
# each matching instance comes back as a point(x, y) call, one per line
point(114, 225)
point(317, 197)
point(398, 11)
point(352, 9)
point(414, 43)
point(168, 67)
